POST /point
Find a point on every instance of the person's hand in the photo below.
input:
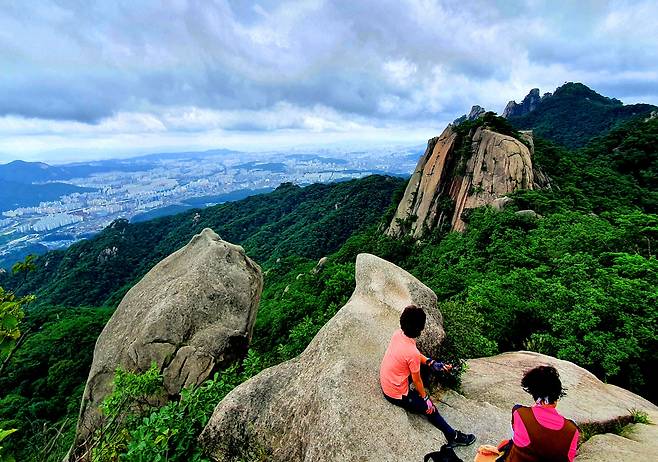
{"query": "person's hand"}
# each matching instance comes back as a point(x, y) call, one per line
point(430, 405)
point(438, 366)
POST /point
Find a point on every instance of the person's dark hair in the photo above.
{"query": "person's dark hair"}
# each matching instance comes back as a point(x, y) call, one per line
point(543, 382)
point(412, 321)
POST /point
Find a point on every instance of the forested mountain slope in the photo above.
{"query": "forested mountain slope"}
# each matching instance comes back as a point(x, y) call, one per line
point(579, 282)
point(574, 114)
point(309, 222)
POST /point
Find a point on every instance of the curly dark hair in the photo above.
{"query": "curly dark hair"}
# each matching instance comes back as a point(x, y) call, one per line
point(412, 321)
point(543, 382)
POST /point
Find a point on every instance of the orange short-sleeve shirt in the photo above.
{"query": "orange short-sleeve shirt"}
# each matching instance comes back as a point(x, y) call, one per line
point(401, 359)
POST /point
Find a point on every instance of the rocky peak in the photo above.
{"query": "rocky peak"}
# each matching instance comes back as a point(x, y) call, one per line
point(529, 104)
point(476, 111)
point(327, 404)
point(461, 171)
point(190, 314)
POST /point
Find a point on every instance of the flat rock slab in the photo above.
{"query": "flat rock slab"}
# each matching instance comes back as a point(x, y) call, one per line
point(638, 443)
point(496, 381)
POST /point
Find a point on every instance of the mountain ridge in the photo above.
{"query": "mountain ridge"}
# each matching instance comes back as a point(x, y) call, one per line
point(572, 115)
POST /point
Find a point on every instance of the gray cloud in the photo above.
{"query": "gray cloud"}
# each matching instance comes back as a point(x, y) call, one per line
point(375, 62)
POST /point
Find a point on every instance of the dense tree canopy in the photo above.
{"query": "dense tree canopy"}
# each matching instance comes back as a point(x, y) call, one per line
point(575, 114)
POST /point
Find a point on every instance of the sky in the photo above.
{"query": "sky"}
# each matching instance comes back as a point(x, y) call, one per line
point(84, 79)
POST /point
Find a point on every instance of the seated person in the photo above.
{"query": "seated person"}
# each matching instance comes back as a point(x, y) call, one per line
point(401, 361)
point(541, 434)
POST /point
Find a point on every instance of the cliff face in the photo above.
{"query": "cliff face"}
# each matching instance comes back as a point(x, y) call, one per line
point(455, 175)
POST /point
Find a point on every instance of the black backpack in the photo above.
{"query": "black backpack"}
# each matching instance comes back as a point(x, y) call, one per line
point(445, 454)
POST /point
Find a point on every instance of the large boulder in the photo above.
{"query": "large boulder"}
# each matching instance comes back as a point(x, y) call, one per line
point(326, 404)
point(455, 175)
point(190, 314)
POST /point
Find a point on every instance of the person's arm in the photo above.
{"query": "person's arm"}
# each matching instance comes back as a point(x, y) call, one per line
point(414, 362)
point(521, 436)
point(418, 383)
point(573, 449)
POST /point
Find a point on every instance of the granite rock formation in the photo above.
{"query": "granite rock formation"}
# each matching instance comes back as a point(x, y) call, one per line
point(476, 111)
point(190, 314)
point(529, 104)
point(326, 404)
point(491, 386)
point(456, 175)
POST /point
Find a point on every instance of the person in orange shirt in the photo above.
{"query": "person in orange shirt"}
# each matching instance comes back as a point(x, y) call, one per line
point(401, 364)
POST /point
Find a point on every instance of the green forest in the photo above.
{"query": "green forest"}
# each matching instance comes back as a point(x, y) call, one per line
point(574, 114)
point(579, 282)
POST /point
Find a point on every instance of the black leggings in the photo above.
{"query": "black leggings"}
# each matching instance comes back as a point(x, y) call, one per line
point(415, 404)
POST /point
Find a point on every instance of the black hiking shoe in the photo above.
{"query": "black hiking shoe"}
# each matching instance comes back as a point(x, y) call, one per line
point(461, 439)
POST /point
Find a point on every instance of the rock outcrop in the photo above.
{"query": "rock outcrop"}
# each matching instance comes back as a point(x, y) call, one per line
point(529, 104)
point(455, 175)
point(191, 313)
point(326, 404)
point(639, 442)
point(476, 111)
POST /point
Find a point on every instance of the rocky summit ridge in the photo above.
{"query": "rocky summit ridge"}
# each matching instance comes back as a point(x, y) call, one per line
point(529, 104)
point(194, 313)
point(462, 171)
point(326, 404)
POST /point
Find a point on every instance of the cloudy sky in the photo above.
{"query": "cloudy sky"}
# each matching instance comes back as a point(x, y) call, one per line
point(88, 79)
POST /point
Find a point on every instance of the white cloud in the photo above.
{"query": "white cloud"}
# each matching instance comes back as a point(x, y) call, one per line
point(400, 72)
point(178, 69)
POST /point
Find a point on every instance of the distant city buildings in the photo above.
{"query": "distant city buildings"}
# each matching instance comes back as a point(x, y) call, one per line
point(172, 180)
